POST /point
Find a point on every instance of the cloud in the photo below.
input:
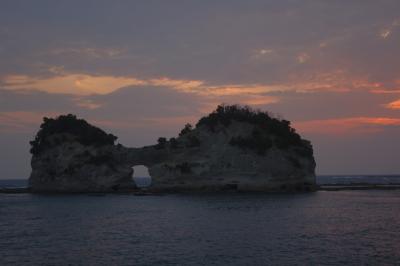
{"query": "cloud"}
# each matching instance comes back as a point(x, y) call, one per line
point(385, 33)
point(179, 84)
point(77, 84)
point(395, 105)
point(86, 103)
point(86, 84)
point(263, 54)
point(347, 126)
point(303, 58)
point(328, 104)
point(81, 84)
point(91, 52)
point(308, 61)
point(384, 91)
point(388, 31)
point(138, 103)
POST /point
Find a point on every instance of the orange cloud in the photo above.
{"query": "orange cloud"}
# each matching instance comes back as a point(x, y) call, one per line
point(259, 100)
point(393, 105)
point(251, 94)
point(78, 84)
point(349, 125)
point(87, 103)
point(240, 89)
point(179, 84)
point(84, 84)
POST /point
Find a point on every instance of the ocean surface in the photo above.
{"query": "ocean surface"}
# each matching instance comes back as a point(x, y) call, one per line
point(321, 180)
point(321, 228)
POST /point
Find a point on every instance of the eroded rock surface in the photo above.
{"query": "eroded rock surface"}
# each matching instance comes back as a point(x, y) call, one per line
point(234, 148)
point(69, 155)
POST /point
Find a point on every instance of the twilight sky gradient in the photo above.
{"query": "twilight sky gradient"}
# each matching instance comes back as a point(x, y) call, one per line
point(142, 69)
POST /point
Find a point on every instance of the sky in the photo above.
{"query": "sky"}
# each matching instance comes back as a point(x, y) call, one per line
point(143, 69)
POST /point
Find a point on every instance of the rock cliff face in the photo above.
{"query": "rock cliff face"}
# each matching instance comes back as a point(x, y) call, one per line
point(234, 148)
point(69, 155)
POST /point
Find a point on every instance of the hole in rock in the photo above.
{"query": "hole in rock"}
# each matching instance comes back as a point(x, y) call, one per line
point(141, 176)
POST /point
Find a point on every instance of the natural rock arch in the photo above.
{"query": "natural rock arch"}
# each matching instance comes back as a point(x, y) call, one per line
point(141, 176)
point(234, 146)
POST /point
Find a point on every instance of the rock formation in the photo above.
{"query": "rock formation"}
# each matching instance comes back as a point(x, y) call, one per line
point(69, 155)
point(233, 148)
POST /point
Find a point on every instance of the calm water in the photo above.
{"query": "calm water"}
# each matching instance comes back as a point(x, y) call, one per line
point(322, 180)
point(322, 228)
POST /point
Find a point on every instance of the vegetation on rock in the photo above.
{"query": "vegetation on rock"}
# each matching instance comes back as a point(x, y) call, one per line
point(82, 132)
point(161, 143)
point(184, 168)
point(174, 143)
point(187, 129)
point(268, 131)
point(193, 141)
point(258, 142)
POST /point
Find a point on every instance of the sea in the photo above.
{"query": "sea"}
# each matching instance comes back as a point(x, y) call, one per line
point(356, 227)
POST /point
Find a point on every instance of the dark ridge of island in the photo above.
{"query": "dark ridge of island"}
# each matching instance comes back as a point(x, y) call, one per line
point(235, 148)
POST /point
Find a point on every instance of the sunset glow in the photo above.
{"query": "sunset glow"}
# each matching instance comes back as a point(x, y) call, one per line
point(143, 70)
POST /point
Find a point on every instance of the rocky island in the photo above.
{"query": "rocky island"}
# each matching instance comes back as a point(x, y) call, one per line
point(233, 148)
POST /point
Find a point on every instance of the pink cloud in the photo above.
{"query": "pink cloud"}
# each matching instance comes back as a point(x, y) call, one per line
point(346, 126)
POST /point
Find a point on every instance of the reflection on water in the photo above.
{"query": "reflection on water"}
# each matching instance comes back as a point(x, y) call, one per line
point(323, 228)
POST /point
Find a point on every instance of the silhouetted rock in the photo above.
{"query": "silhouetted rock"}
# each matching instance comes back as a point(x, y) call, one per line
point(233, 148)
point(70, 155)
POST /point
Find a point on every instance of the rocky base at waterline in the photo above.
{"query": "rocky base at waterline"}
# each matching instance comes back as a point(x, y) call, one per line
point(145, 192)
point(14, 190)
point(233, 148)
